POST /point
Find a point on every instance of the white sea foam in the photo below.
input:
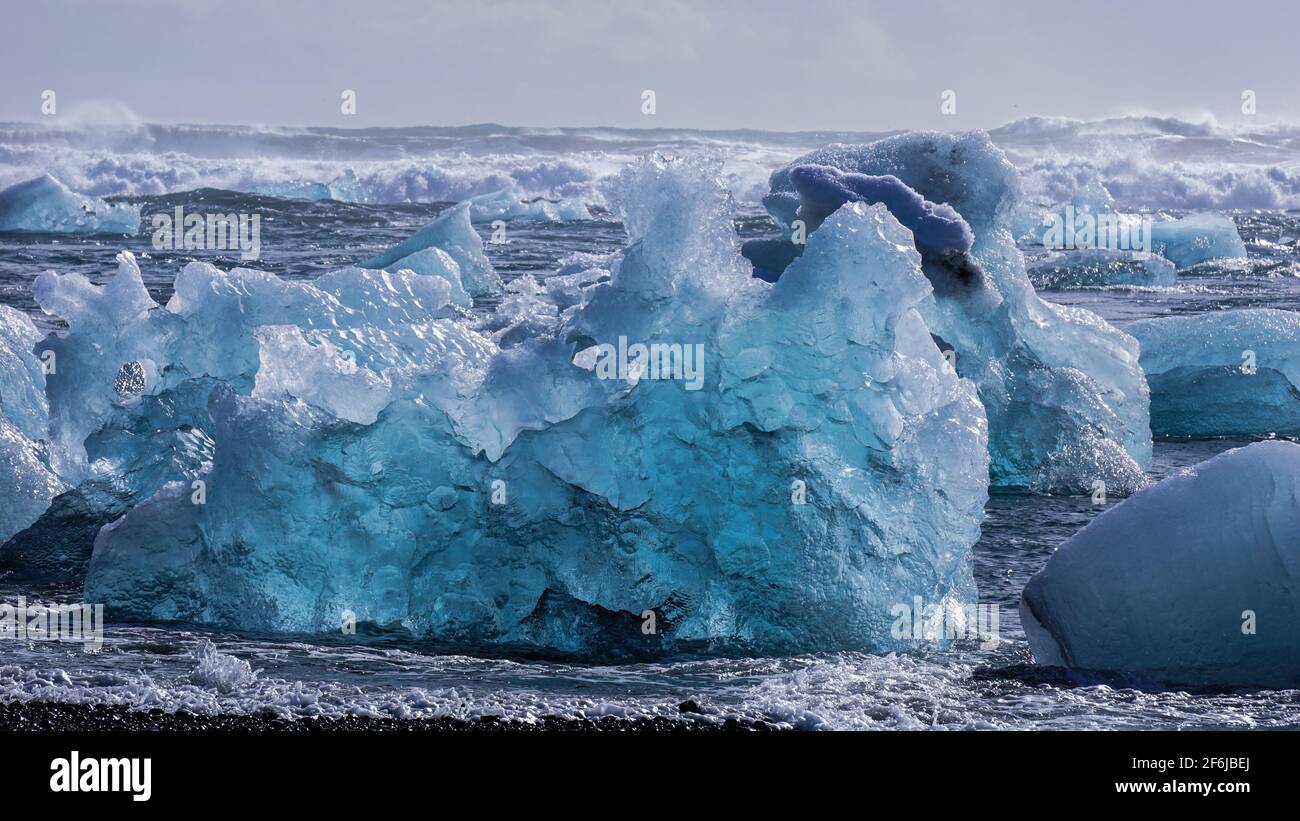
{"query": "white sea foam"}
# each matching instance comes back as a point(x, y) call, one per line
point(1145, 162)
point(822, 692)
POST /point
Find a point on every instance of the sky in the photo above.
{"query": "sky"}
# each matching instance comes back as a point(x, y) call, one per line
point(792, 65)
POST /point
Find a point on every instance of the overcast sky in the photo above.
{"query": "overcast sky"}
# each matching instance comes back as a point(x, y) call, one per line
point(789, 65)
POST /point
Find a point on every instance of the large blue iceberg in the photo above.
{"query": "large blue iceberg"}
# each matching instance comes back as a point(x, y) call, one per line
point(1066, 399)
point(1223, 373)
point(1188, 582)
point(685, 456)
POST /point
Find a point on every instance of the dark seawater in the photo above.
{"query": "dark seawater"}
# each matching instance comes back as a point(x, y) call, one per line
point(969, 687)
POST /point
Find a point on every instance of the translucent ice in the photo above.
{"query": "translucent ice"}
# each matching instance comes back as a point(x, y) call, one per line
point(1223, 373)
point(526, 310)
point(45, 204)
point(435, 262)
point(129, 396)
point(1197, 238)
point(1186, 582)
point(1032, 224)
point(453, 233)
point(1066, 398)
point(827, 464)
point(27, 482)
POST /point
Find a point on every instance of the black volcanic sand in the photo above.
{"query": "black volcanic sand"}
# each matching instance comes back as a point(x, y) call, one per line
point(51, 716)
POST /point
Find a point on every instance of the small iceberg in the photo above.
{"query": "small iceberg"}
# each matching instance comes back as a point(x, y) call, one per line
point(453, 233)
point(46, 205)
point(1097, 267)
point(1228, 373)
point(1195, 239)
point(1190, 582)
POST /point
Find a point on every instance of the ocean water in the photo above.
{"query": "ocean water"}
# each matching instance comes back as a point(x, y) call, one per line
point(399, 181)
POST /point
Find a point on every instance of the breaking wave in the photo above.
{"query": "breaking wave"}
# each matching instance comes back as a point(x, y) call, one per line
point(1145, 162)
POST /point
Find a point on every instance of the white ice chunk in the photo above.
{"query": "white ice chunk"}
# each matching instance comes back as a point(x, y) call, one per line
point(453, 233)
point(1189, 582)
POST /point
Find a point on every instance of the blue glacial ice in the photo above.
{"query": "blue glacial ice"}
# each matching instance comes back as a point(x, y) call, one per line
point(1184, 242)
point(1099, 267)
point(1197, 238)
point(27, 480)
point(124, 356)
point(46, 205)
point(1223, 373)
point(128, 400)
point(936, 229)
point(1186, 582)
point(452, 233)
point(400, 466)
point(510, 205)
point(1065, 396)
point(1031, 223)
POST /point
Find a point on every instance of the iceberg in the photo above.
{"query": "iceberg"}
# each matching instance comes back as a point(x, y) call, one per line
point(1226, 373)
point(1186, 582)
point(27, 480)
point(1030, 223)
point(825, 464)
point(1197, 238)
point(511, 205)
point(46, 205)
point(1065, 396)
point(1097, 267)
point(453, 233)
point(128, 401)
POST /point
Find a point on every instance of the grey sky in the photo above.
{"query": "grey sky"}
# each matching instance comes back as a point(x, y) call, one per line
point(794, 65)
